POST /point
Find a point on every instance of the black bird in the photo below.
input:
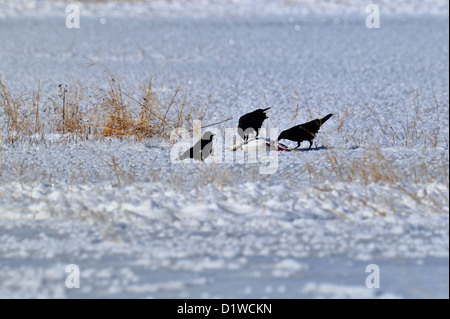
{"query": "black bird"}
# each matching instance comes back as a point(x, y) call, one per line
point(201, 150)
point(251, 122)
point(304, 132)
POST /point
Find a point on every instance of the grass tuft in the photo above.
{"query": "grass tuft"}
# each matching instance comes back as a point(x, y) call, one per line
point(79, 113)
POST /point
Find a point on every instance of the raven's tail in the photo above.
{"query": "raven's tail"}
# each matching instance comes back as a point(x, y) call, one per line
point(323, 120)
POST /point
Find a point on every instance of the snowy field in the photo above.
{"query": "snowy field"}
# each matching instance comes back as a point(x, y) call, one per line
point(373, 190)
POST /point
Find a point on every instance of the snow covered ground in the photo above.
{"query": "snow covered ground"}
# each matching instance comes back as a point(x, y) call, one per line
point(372, 191)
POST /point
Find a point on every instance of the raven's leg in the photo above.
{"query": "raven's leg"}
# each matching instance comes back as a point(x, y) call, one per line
point(310, 144)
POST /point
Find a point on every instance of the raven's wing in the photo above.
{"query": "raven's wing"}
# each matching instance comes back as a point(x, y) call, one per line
point(311, 127)
point(206, 150)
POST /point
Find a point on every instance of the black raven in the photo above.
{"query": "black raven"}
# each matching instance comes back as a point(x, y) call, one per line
point(251, 122)
point(304, 132)
point(201, 150)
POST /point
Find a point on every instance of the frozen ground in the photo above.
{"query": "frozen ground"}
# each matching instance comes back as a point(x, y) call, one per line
point(153, 228)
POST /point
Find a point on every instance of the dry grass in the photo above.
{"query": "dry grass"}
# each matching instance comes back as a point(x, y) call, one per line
point(111, 111)
point(21, 113)
point(71, 119)
point(396, 184)
point(77, 113)
point(372, 166)
point(409, 131)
